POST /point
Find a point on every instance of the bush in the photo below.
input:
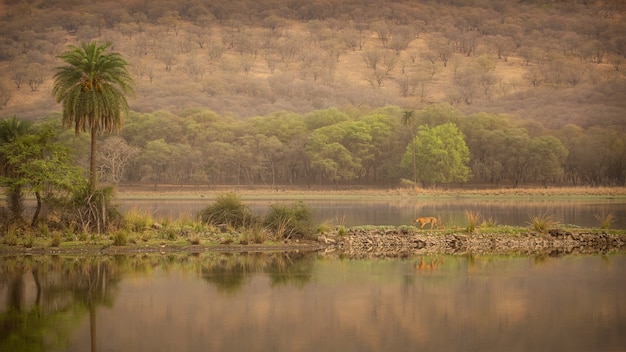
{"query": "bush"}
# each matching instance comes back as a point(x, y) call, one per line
point(56, 240)
point(287, 222)
point(228, 210)
point(120, 238)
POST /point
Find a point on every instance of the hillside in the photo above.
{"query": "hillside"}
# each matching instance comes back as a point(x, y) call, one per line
point(555, 62)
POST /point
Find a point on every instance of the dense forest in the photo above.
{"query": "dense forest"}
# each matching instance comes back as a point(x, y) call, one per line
point(335, 92)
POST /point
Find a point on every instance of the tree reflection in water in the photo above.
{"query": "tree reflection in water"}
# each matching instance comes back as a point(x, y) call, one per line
point(45, 298)
point(229, 272)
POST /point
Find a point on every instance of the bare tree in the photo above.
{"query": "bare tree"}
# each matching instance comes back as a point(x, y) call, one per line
point(5, 95)
point(113, 157)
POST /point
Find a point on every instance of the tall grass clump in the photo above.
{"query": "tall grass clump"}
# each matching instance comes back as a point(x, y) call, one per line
point(605, 220)
point(542, 222)
point(137, 220)
point(227, 209)
point(473, 218)
point(120, 238)
point(289, 221)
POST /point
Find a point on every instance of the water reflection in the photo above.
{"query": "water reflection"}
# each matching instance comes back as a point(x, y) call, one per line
point(229, 272)
point(46, 296)
point(305, 302)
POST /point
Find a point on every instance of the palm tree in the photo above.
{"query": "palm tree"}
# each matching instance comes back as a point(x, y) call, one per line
point(92, 88)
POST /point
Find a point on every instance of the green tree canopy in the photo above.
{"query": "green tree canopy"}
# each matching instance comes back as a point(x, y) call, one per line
point(37, 163)
point(441, 154)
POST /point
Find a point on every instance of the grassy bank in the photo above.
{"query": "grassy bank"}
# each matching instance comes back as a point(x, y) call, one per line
point(261, 192)
point(227, 224)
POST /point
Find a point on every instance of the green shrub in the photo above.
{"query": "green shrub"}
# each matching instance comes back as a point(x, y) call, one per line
point(56, 239)
point(29, 241)
point(289, 221)
point(10, 239)
point(137, 220)
point(323, 228)
point(120, 238)
point(169, 234)
point(228, 210)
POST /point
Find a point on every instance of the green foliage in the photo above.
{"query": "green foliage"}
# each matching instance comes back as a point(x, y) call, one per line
point(11, 238)
point(289, 221)
point(542, 222)
point(227, 210)
point(120, 238)
point(29, 240)
point(441, 155)
point(255, 234)
point(322, 228)
point(137, 220)
point(56, 240)
point(35, 162)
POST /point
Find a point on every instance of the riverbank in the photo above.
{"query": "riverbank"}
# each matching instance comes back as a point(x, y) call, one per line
point(403, 241)
point(375, 241)
point(252, 192)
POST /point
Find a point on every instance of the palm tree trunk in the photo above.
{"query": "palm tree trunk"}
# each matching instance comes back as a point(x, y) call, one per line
point(93, 180)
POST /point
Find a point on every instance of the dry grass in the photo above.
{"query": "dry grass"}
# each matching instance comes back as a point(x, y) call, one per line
point(194, 192)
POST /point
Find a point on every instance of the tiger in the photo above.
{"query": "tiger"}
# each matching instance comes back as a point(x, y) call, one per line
point(426, 220)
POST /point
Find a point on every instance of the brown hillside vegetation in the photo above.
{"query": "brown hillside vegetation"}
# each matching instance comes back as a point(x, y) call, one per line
point(340, 93)
point(556, 62)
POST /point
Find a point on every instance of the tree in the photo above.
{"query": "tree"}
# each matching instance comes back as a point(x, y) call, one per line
point(441, 154)
point(33, 161)
point(114, 156)
point(11, 130)
point(408, 119)
point(92, 88)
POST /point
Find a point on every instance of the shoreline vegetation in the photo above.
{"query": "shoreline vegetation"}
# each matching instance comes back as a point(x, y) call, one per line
point(252, 192)
point(226, 225)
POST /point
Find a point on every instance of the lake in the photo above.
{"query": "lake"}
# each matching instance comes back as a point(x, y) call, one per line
point(402, 210)
point(311, 302)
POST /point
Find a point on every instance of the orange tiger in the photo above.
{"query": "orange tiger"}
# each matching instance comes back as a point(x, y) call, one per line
point(427, 220)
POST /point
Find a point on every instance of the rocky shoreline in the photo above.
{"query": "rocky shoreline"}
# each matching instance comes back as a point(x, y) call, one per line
point(372, 242)
point(401, 242)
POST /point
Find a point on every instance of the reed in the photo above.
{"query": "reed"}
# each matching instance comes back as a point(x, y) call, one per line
point(542, 222)
point(120, 237)
point(605, 220)
point(138, 219)
point(473, 218)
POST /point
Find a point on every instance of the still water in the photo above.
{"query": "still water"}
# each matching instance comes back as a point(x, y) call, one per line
point(310, 302)
point(402, 211)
